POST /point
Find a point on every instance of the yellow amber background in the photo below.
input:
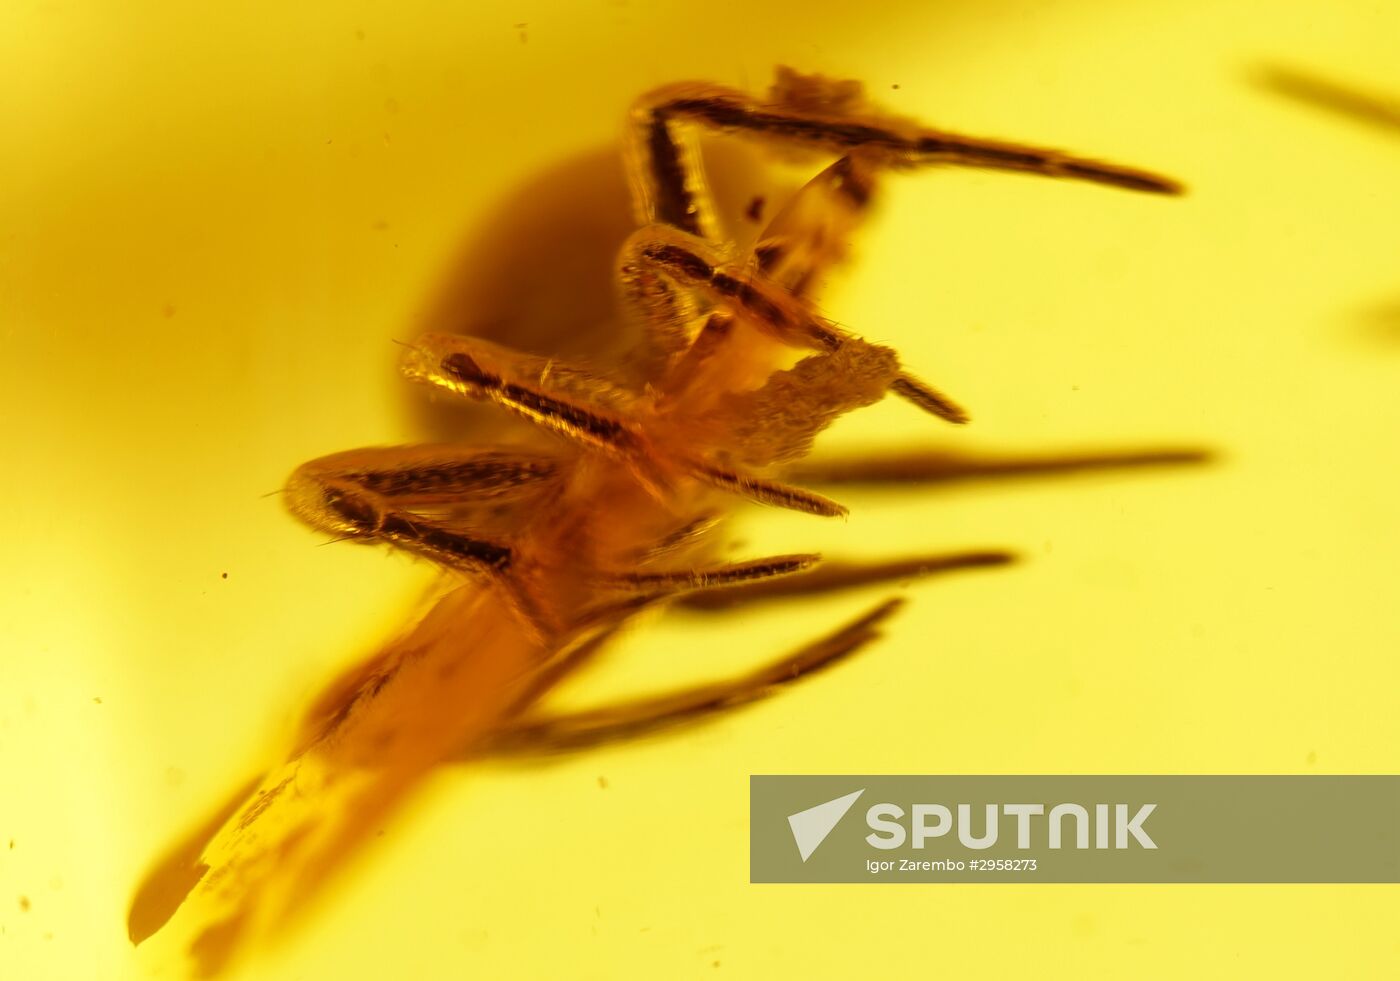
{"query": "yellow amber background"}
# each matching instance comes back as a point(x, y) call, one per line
point(215, 218)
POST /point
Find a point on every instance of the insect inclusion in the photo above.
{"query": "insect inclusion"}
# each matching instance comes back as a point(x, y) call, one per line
point(557, 543)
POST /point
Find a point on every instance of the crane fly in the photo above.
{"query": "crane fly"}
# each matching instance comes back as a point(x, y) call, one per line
point(554, 544)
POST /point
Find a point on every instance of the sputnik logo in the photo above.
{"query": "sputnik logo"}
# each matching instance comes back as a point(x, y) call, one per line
point(810, 827)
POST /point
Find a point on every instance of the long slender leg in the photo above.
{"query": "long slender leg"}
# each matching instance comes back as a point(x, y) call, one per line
point(329, 501)
point(834, 577)
point(526, 385)
point(471, 368)
point(428, 475)
point(582, 730)
point(368, 495)
point(810, 234)
point(693, 264)
point(714, 577)
point(373, 494)
point(669, 183)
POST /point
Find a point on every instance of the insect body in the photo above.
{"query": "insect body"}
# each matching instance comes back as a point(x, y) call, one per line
point(612, 510)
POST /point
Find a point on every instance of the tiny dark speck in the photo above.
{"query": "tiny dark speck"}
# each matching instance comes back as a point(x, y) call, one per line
point(224, 576)
point(895, 85)
point(716, 963)
point(24, 904)
point(97, 700)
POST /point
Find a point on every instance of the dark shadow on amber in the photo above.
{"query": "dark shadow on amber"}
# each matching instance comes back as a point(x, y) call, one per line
point(536, 274)
point(1382, 322)
point(831, 577)
point(934, 467)
point(552, 735)
point(178, 872)
point(1359, 105)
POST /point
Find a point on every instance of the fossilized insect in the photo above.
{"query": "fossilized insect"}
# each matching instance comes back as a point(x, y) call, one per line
point(559, 542)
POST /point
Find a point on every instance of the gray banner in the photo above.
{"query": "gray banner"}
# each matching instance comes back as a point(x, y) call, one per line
point(1074, 829)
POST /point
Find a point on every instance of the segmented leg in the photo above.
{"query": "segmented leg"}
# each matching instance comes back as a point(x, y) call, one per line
point(670, 194)
point(688, 262)
point(582, 730)
point(810, 111)
point(712, 577)
point(810, 234)
point(834, 577)
point(371, 495)
point(424, 475)
point(470, 368)
point(374, 494)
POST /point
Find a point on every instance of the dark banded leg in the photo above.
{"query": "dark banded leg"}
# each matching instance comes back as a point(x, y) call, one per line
point(835, 577)
point(432, 475)
point(475, 369)
point(668, 179)
point(368, 496)
point(734, 574)
point(809, 236)
point(373, 504)
point(690, 263)
point(628, 720)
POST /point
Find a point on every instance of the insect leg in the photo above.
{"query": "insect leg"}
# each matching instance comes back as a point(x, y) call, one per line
point(826, 115)
point(554, 395)
point(691, 263)
point(535, 735)
point(472, 368)
point(832, 577)
point(367, 495)
point(427, 475)
point(712, 577)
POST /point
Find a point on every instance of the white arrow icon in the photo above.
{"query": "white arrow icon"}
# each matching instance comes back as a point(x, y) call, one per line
point(810, 827)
